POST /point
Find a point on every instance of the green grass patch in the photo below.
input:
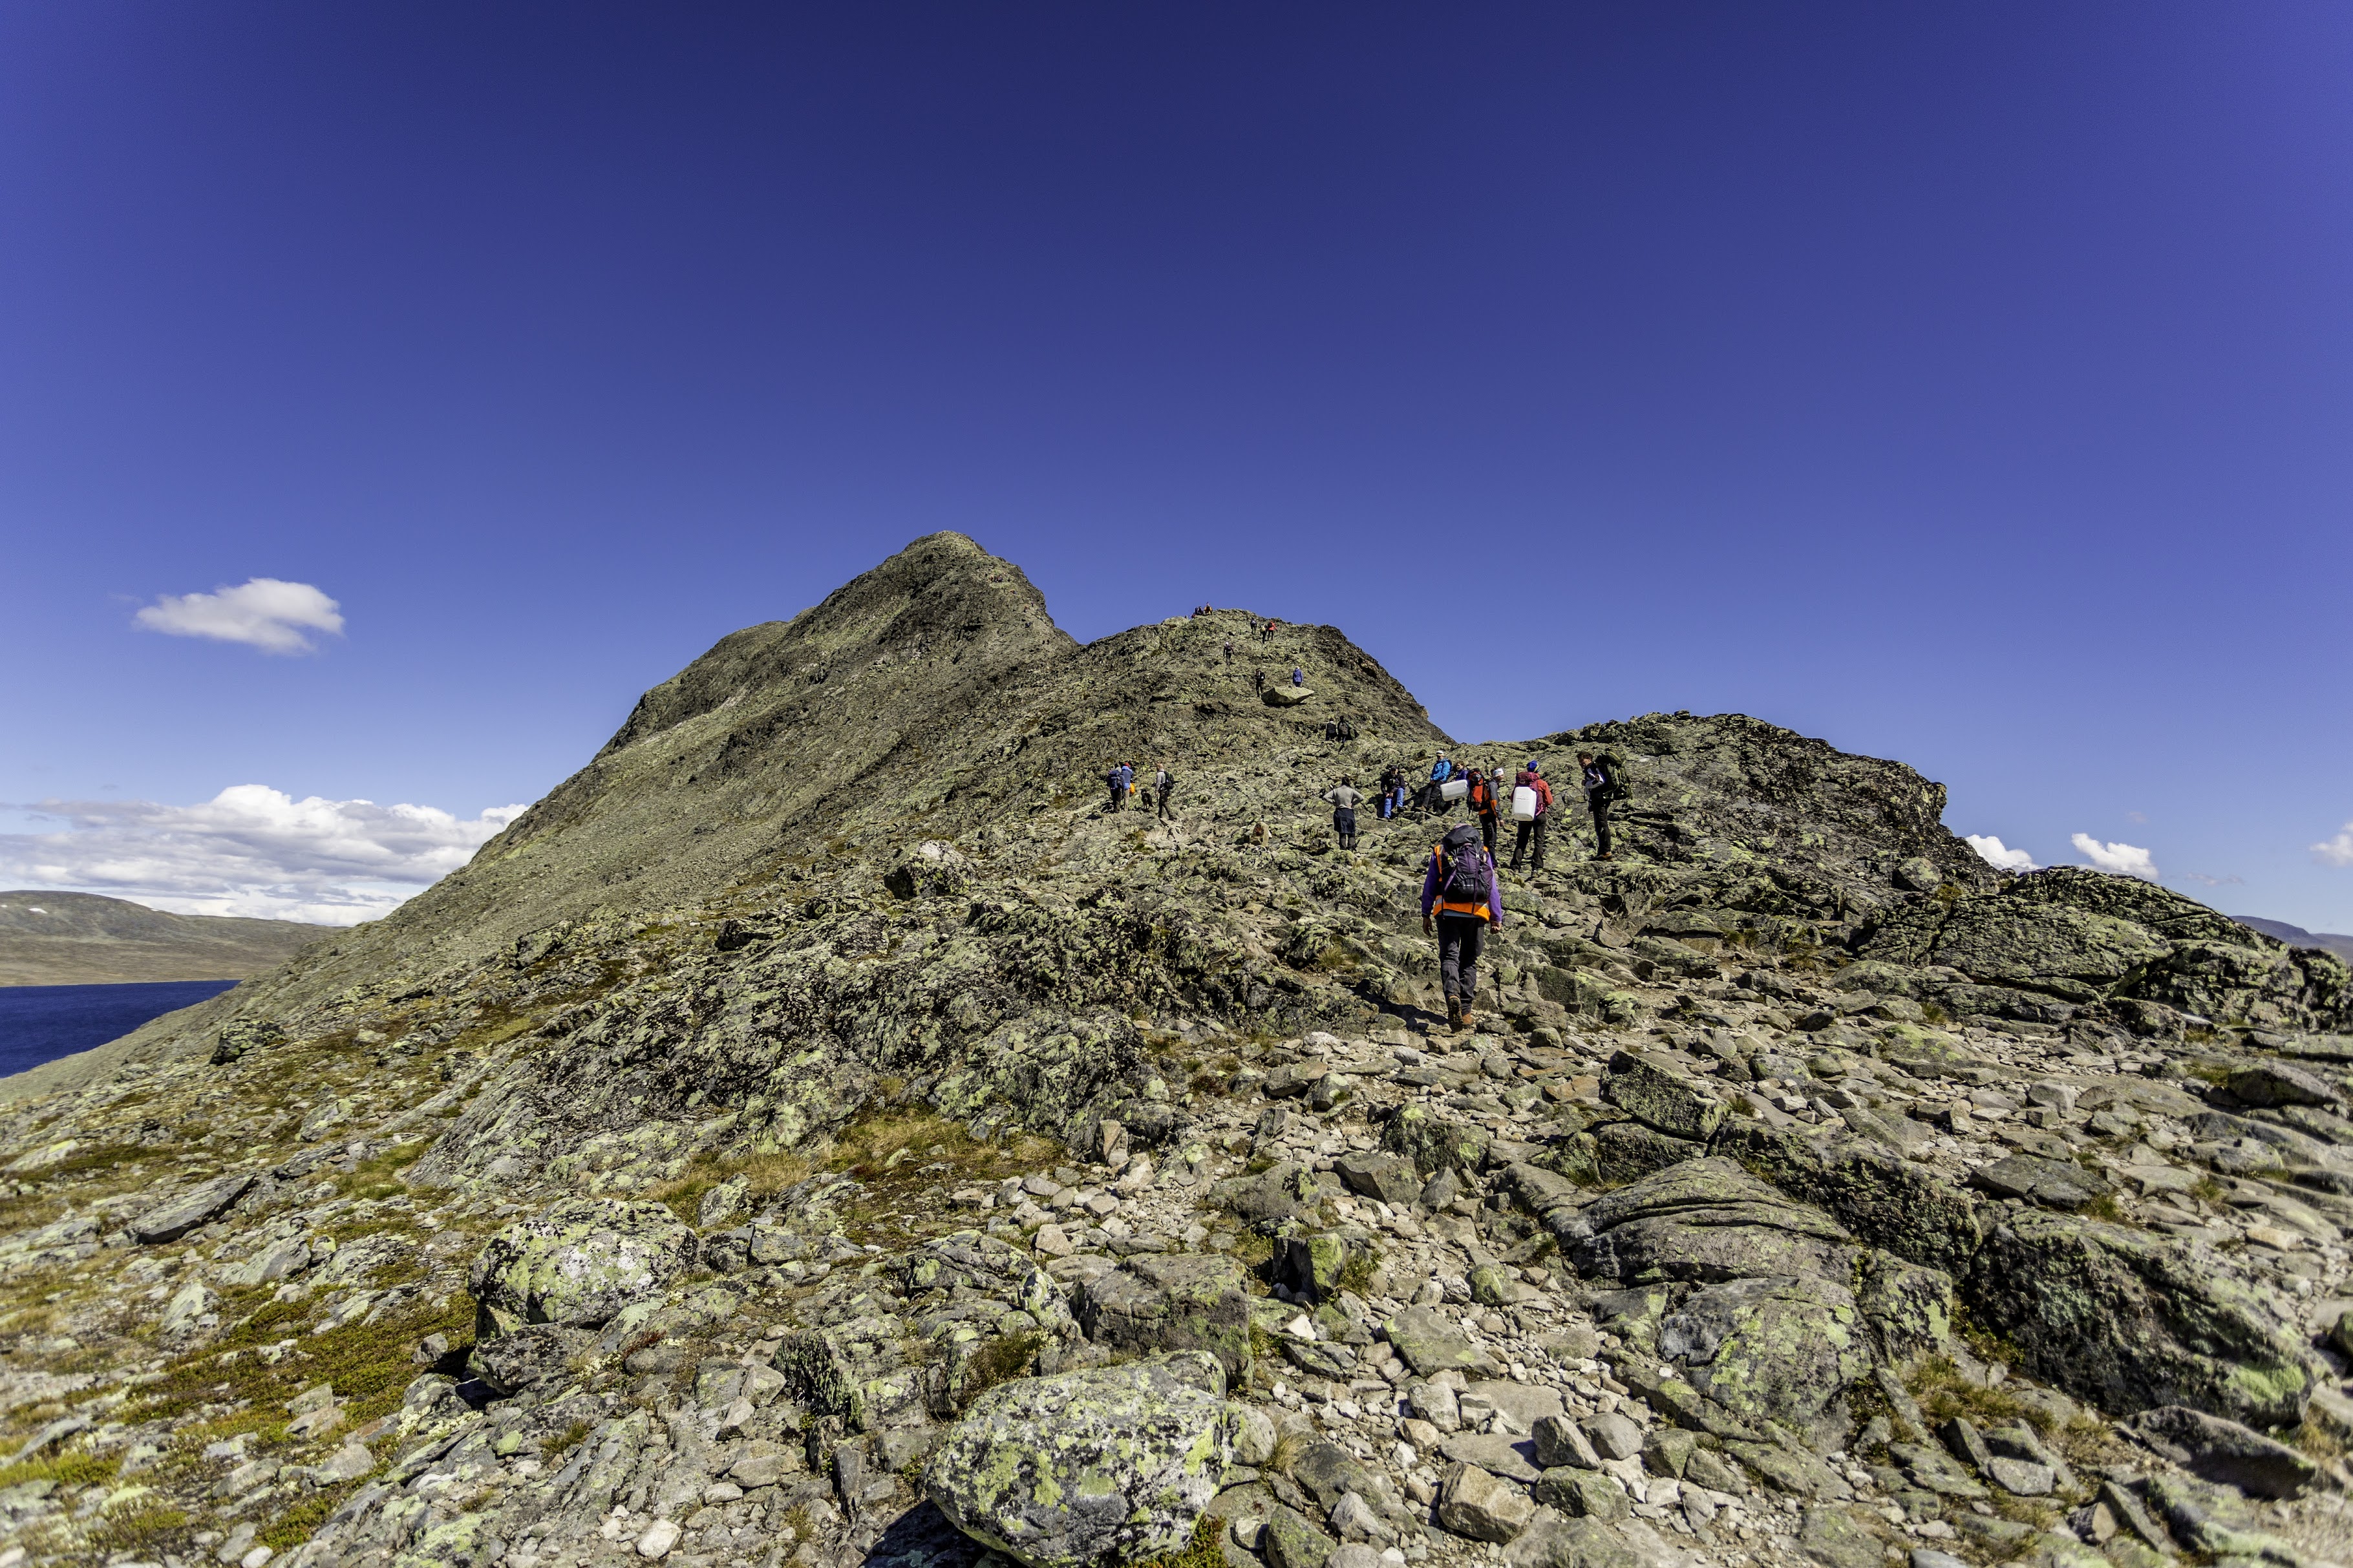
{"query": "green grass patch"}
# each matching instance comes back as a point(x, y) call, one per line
point(73, 1469)
point(1203, 1550)
point(368, 1363)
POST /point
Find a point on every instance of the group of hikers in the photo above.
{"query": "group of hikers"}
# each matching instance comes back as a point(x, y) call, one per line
point(1461, 899)
point(1161, 793)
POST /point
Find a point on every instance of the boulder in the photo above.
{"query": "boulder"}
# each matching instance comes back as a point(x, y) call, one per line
point(932, 869)
point(240, 1035)
point(2054, 1183)
point(1430, 1342)
point(1434, 1142)
point(859, 1370)
point(1474, 1504)
point(1588, 1542)
point(1284, 1191)
point(1775, 1349)
point(1172, 1302)
point(1291, 1541)
point(527, 1357)
point(2132, 1320)
point(1911, 1210)
point(1662, 1097)
point(2280, 1083)
point(1706, 1220)
point(578, 1264)
point(1286, 695)
point(177, 1216)
point(1112, 1463)
point(2225, 1451)
point(1390, 1178)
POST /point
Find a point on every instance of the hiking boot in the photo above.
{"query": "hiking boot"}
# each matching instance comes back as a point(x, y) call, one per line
point(1466, 1021)
point(1453, 1014)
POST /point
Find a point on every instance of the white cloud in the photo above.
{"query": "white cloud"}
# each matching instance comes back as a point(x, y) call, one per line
point(2336, 851)
point(1994, 852)
point(250, 850)
point(261, 611)
point(2124, 859)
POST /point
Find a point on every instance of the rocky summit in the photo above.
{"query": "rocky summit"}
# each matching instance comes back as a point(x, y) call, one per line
point(825, 1131)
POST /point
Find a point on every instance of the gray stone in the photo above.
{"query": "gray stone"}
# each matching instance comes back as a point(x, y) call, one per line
point(2227, 1452)
point(177, 1216)
point(1583, 1492)
point(2054, 1183)
point(1474, 1504)
point(2280, 1083)
point(526, 1357)
point(1560, 1441)
point(1160, 1302)
point(1289, 1540)
point(1430, 1342)
point(1613, 1436)
point(1111, 1464)
point(1498, 1453)
point(578, 1264)
point(2132, 1320)
point(1390, 1178)
point(1836, 1539)
point(1588, 1542)
point(2021, 1478)
point(1663, 1096)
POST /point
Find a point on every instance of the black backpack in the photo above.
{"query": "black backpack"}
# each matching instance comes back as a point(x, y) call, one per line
point(1464, 876)
point(1613, 770)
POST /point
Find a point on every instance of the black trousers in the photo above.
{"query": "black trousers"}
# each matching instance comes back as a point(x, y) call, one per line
point(1344, 823)
point(1487, 830)
point(1165, 792)
point(1118, 798)
point(1537, 830)
point(1459, 940)
point(1600, 822)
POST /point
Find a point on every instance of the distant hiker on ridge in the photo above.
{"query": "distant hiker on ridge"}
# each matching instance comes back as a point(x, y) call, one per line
point(1344, 799)
point(1601, 791)
point(1460, 885)
point(1532, 778)
point(1120, 778)
point(1163, 785)
point(1482, 800)
point(1392, 795)
point(1298, 676)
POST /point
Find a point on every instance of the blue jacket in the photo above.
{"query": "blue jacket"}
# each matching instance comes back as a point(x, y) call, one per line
point(1443, 770)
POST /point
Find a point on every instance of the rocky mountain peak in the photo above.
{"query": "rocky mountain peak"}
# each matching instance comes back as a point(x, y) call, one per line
point(831, 1131)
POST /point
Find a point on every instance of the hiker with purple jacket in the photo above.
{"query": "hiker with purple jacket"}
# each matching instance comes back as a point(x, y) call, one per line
point(1460, 888)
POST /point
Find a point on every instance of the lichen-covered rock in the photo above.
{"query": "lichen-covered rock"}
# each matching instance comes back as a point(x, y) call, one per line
point(1175, 1302)
point(240, 1035)
point(1103, 1467)
point(2133, 1320)
point(1705, 1220)
point(1663, 1097)
point(1771, 1349)
point(526, 1357)
point(932, 869)
point(176, 1216)
point(1434, 1142)
point(578, 1264)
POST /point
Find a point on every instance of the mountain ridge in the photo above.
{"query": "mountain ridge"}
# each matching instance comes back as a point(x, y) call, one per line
point(828, 1099)
point(52, 938)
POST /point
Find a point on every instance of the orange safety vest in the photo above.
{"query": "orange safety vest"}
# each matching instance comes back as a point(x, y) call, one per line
point(1438, 852)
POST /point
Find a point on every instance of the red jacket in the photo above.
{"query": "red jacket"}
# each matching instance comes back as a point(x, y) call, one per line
point(1535, 782)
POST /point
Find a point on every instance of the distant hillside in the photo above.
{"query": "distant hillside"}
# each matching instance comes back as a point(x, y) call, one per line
point(82, 938)
point(2296, 936)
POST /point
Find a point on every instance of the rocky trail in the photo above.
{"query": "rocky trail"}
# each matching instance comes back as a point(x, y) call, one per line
point(997, 1178)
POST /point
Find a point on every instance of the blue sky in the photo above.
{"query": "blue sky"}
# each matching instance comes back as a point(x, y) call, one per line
point(1965, 384)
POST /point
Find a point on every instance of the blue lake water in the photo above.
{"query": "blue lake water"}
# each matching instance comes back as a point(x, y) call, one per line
point(42, 1023)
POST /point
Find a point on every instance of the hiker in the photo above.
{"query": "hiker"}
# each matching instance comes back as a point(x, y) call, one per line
point(1347, 729)
point(1434, 795)
point(1532, 778)
point(1164, 784)
point(1298, 676)
point(1602, 790)
point(1258, 681)
point(1344, 799)
point(1230, 650)
point(1482, 801)
point(1392, 796)
point(1459, 885)
point(1120, 778)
